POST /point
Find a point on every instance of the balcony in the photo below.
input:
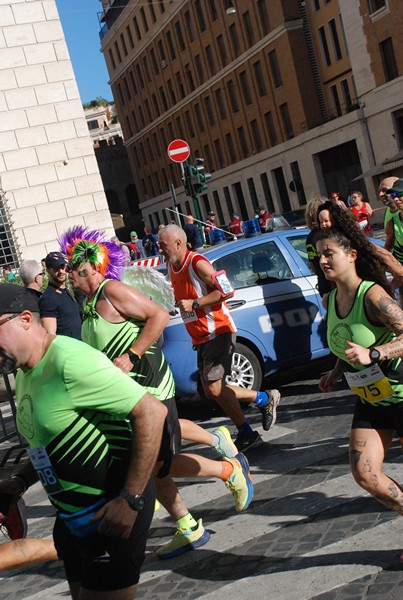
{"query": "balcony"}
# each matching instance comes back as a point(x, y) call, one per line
point(110, 14)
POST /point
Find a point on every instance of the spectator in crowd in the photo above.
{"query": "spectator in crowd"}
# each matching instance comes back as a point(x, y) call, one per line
point(263, 216)
point(124, 247)
point(71, 397)
point(362, 211)
point(193, 236)
point(389, 204)
point(59, 311)
point(335, 197)
point(210, 225)
point(8, 274)
point(235, 225)
point(311, 217)
point(136, 247)
point(150, 242)
point(31, 275)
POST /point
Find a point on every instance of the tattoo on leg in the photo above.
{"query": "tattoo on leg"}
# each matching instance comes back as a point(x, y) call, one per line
point(367, 467)
point(360, 443)
point(354, 458)
point(391, 503)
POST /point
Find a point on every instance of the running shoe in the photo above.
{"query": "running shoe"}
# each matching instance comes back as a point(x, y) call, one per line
point(269, 410)
point(157, 505)
point(226, 446)
point(14, 525)
point(246, 442)
point(240, 482)
point(184, 540)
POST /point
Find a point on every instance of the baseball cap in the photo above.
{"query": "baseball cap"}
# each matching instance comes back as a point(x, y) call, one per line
point(261, 208)
point(133, 234)
point(211, 213)
point(14, 299)
point(397, 187)
point(235, 214)
point(55, 260)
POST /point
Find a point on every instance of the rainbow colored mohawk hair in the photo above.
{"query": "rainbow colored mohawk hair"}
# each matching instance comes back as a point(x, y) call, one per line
point(81, 245)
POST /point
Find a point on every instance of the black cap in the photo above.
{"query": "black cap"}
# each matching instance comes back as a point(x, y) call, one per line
point(235, 214)
point(397, 187)
point(211, 213)
point(55, 260)
point(14, 299)
point(259, 208)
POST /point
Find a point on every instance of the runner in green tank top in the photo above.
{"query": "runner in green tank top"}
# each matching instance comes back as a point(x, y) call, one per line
point(365, 332)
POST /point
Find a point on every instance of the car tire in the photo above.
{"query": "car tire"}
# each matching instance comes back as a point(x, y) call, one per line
point(246, 370)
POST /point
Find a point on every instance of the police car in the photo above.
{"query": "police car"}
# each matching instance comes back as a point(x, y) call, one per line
point(276, 308)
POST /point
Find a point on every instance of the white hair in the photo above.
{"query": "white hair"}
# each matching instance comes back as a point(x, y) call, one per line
point(28, 270)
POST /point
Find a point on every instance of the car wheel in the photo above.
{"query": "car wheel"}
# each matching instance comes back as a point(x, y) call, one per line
point(246, 370)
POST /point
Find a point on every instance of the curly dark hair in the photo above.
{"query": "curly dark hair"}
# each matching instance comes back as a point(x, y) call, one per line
point(369, 265)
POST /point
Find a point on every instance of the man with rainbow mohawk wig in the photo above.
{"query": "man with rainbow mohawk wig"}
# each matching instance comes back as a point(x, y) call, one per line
point(125, 325)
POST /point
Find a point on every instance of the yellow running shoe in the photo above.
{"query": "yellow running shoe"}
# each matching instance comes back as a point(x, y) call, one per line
point(240, 482)
point(184, 540)
point(226, 446)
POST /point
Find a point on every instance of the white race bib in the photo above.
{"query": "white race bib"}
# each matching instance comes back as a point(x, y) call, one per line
point(370, 384)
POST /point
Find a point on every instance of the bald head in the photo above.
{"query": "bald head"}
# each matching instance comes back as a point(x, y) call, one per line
point(172, 244)
point(385, 184)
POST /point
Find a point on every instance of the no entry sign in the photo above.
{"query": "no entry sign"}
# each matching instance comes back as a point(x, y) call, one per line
point(178, 151)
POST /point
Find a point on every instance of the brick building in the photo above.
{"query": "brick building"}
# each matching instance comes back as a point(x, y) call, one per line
point(284, 99)
point(48, 171)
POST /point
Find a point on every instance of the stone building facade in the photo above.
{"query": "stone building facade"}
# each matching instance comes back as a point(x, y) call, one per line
point(284, 99)
point(48, 171)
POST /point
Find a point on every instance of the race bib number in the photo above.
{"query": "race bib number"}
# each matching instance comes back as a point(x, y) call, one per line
point(46, 473)
point(188, 316)
point(370, 384)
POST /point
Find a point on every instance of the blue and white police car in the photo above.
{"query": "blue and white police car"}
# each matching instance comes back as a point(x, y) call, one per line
point(276, 308)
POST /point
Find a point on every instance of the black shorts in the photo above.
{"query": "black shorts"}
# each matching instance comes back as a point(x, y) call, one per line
point(214, 358)
point(171, 438)
point(104, 563)
point(369, 416)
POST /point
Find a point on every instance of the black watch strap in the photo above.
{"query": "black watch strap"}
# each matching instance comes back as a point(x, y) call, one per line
point(374, 355)
point(133, 357)
point(135, 501)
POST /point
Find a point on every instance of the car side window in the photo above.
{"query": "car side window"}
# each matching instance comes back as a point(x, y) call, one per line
point(259, 264)
point(299, 245)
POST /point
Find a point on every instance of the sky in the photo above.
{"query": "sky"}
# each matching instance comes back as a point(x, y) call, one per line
point(81, 29)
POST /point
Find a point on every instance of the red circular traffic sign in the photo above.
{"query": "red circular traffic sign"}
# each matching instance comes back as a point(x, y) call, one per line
point(178, 151)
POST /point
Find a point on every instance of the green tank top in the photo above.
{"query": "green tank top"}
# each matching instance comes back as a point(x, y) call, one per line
point(389, 215)
point(398, 231)
point(114, 339)
point(355, 327)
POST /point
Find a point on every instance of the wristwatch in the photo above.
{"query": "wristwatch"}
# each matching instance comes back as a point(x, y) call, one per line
point(195, 304)
point(135, 501)
point(133, 357)
point(374, 355)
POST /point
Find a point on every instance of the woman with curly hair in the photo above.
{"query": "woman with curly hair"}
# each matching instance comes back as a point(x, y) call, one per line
point(365, 333)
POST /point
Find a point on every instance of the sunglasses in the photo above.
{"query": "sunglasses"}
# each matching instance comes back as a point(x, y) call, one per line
point(2, 321)
point(395, 195)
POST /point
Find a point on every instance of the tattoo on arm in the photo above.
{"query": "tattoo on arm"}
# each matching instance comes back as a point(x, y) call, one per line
point(387, 312)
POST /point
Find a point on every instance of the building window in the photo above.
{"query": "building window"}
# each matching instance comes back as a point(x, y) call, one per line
point(147, 109)
point(271, 131)
point(398, 123)
point(220, 103)
point(219, 153)
point(123, 44)
point(189, 123)
point(263, 16)
point(257, 140)
point(260, 84)
point(199, 69)
point(232, 96)
point(324, 46)
point(152, 11)
point(130, 37)
point(163, 99)
point(146, 69)
point(92, 125)
point(345, 90)
point(126, 88)
point(230, 147)
point(171, 48)
point(171, 91)
point(221, 50)
point(243, 144)
point(335, 39)
point(134, 119)
point(140, 76)
point(316, 4)
point(189, 26)
point(179, 36)
point(200, 15)
point(189, 76)
point(179, 127)
point(179, 83)
point(275, 69)
point(133, 82)
point(375, 5)
point(252, 191)
point(121, 95)
point(210, 60)
point(297, 183)
point(154, 61)
point(155, 103)
point(144, 18)
point(267, 192)
point(111, 58)
point(199, 118)
point(243, 78)
point(388, 59)
point(228, 201)
point(8, 245)
point(248, 28)
point(161, 52)
point(137, 28)
point(209, 110)
point(213, 10)
point(117, 51)
point(233, 34)
point(335, 101)
point(285, 116)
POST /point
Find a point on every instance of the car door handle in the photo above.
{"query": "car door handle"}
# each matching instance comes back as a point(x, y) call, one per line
point(235, 303)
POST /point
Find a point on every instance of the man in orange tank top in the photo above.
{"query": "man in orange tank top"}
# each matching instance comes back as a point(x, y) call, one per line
point(200, 297)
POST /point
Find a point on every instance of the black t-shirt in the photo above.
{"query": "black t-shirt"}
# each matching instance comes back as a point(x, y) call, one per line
point(193, 235)
point(60, 304)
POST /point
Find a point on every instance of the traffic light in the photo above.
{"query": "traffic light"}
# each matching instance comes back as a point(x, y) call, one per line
point(198, 177)
point(189, 191)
